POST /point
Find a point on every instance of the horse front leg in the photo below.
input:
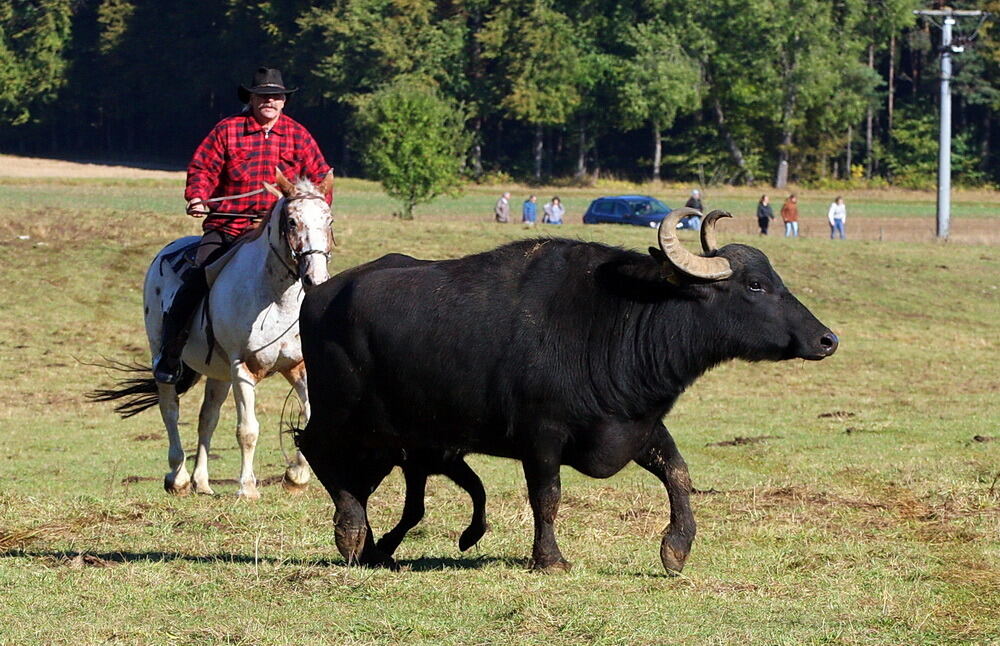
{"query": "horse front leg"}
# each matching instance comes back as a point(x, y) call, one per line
point(297, 472)
point(247, 427)
point(215, 394)
point(177, 480)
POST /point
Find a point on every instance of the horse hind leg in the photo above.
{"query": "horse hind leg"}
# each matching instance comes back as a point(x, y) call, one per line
point(215, 394)
point(177, 480)
point(297, 473)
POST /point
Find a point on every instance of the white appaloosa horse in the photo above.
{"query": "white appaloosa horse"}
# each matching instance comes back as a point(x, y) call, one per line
point(247, 329)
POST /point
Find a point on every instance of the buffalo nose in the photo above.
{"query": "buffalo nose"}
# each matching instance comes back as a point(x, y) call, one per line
point(829, 342)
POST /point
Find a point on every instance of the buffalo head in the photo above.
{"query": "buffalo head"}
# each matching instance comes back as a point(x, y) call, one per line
point(750, 314)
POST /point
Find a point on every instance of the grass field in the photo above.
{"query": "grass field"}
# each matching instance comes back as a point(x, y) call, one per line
point(864, 508)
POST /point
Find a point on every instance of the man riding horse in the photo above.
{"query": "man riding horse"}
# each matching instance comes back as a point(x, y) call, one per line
point(230, 167)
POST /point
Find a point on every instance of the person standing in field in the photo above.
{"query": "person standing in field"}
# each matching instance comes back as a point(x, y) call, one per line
point(529, 211)
point(790, 216)
point(554, 211)
point(764, 214)
point(693, 221)
point(233, 162)
point(837, 215)
point(502, 209)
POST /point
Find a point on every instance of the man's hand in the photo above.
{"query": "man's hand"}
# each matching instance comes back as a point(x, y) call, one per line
point(197, 207)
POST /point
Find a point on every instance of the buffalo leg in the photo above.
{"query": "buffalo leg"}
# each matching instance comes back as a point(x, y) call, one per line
point(413, 509)
point(662, 459)
point(416, 470)
point(350, 479)
point(463, 475)
point(542, 476)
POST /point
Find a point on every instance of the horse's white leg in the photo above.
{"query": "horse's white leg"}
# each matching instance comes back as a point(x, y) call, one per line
point(297, 473)
point(177, 480)
point(247, 428)
point(215, 394)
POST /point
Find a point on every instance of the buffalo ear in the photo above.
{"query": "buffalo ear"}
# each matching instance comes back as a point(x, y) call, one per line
point(666, 268)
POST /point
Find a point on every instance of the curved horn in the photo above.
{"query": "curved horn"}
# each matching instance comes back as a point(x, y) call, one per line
point(708, 244)
point(683, 260)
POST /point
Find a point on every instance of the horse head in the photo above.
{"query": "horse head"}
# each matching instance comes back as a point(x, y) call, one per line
point(304, 234)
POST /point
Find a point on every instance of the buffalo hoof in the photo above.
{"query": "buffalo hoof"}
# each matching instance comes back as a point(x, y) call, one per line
point(381, 561)
point(171, 486)
point(673, 554)
point(388, 543)
point(471, 536)
point(350, 541)
point(557, 566)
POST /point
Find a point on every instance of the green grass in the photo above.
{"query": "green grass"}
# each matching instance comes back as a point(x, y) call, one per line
point(872, 516)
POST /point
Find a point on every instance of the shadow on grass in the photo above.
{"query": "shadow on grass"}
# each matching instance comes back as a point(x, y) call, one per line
point(106, 559)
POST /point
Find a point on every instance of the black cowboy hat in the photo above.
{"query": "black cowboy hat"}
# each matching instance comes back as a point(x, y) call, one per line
point(265, 81)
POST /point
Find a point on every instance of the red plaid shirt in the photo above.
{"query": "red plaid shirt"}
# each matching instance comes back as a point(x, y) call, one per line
point(238, 157)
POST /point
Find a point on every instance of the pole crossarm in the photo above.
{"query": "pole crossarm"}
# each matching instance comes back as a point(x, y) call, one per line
point(955, 13)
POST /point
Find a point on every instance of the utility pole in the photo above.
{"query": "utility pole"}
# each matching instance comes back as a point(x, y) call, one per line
point(948, 20)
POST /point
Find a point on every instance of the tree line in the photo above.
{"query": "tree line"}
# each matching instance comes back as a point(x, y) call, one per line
point(708, 91)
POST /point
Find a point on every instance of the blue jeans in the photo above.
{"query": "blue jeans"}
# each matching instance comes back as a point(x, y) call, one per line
point(791, 229)
point(692, 222)
point(837, 229)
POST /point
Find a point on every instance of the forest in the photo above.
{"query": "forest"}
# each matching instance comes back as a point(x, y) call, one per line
point(815, 92)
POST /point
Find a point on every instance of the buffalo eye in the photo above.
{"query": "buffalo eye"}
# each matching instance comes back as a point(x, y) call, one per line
point(756, 286)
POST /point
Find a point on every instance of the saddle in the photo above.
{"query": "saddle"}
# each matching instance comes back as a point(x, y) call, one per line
point(181, 261)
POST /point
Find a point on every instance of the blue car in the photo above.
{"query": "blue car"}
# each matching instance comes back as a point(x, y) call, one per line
point(640, 210)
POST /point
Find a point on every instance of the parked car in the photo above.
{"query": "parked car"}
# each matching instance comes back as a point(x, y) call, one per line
point(640, 210)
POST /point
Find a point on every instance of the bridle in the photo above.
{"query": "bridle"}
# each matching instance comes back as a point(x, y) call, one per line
point(283, 232)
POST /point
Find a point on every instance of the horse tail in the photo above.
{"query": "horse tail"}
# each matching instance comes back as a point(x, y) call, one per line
point(140, 392)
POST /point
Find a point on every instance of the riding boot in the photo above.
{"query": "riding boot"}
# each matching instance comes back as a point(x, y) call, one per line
point(167, 366)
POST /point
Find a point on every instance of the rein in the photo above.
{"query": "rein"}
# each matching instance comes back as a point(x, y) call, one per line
point(223, 214)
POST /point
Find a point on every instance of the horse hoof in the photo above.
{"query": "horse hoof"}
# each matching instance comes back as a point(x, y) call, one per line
point(292, 487)
point(204, 490)
point(248, 493)
point(170, 485)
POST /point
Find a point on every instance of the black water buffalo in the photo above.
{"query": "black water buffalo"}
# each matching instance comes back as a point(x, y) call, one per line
point(548, 351)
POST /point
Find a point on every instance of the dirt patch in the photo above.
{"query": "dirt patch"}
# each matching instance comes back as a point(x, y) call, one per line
point(12, 166)
point(18, 539)
point(837, 414)
point(145, 437)
point(740, 441)
point(261, 482)
point(984, 438)
point(86, 560)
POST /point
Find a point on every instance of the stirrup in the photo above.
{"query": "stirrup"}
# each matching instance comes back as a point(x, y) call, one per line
point(166, 370)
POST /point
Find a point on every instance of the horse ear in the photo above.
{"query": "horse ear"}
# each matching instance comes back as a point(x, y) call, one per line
point(326, 186)
point(283, 183)
point(273, 190)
